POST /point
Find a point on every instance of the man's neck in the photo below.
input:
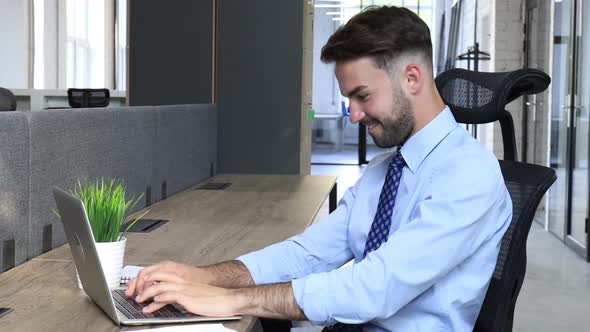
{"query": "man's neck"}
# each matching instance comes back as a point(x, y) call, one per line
point(426, 109)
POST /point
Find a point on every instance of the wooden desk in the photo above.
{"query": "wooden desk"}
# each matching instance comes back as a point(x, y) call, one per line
point(205, 226)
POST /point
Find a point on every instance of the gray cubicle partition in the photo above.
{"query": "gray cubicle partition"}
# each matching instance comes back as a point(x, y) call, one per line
point(143, 146)
point(67, 145)
point(134, 156)
point(14, 183)
point(86, 144)
point(186, 147)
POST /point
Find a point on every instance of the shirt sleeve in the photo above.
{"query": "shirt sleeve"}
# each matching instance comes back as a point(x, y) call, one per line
point(450, 223)
point(322, 247)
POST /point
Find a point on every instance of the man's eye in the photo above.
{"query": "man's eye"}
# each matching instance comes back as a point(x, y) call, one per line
point(363, 97)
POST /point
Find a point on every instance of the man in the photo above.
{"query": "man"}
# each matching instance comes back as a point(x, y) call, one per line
point(423, 224)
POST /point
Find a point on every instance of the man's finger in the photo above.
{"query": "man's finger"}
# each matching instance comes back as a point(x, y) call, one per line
point(157, 289)
point(163, 276)
point(150, 279)
point(154, 306)
point(130, 287)
point(161, 300)
point(140, 283)
point(138, 280)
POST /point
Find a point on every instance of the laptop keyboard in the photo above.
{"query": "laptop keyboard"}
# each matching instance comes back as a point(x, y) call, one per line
point(131, 309)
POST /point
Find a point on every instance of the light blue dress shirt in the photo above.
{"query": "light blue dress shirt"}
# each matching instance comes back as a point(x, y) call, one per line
point(451, 211)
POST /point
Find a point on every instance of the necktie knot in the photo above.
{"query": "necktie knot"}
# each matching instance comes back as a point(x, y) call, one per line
point(398, 161)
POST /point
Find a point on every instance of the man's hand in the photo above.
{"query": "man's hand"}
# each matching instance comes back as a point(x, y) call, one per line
point(273, 301)
point(181, 272)
point(230, 274)
point(200, 299)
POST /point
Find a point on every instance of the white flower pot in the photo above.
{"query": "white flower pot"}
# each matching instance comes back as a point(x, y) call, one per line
point(111, 256)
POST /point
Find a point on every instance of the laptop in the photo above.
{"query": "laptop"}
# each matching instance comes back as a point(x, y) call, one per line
point(122, 310)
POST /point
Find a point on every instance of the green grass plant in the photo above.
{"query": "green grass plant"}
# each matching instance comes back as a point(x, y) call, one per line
point(106, 207)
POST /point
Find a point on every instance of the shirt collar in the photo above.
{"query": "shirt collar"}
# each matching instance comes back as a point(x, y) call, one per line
point(426, 139)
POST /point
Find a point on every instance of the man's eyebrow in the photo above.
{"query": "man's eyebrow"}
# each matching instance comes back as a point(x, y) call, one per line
point(355, 91)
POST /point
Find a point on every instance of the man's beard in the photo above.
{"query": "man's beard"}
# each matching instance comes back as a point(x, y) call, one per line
point(396, 129)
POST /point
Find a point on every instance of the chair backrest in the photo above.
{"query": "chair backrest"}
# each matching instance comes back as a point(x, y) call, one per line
point(84, 98)
point(7, 100)
point(477, 97)
point(480, 97)
point(526, 184)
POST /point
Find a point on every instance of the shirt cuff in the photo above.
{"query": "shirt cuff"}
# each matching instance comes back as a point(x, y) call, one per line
point(304, 291)
point(250, 261)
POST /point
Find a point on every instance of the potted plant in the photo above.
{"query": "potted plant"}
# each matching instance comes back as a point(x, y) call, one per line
point(106, 208)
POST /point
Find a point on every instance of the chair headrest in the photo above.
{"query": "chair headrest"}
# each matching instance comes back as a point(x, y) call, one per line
point(7, 100)
point(88, 97)
point(480, 97)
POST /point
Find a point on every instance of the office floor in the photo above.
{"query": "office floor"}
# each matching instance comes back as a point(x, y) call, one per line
point(555, 295)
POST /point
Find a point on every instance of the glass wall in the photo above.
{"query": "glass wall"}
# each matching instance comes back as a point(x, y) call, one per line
point(538, 40)
point(568, 200)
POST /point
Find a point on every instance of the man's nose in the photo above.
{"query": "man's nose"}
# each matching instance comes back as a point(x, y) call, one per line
point(356, 113)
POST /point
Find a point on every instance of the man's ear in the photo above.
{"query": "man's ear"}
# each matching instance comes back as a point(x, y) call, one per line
point(412, 78)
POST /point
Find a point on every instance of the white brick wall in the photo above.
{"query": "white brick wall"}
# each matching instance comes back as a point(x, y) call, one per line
point(508, 55)
point(539, 127)
point(539, 123)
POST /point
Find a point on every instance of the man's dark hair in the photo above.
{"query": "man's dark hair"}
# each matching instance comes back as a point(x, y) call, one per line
point(382, 33)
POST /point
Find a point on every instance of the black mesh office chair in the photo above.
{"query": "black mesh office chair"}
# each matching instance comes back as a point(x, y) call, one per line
point(88, 97)
point(477, 98)
point(7, 101)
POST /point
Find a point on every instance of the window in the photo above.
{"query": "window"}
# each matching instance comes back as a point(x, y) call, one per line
point(77, 44)
point(90, 44)
point(121, 45)
point(39, 47)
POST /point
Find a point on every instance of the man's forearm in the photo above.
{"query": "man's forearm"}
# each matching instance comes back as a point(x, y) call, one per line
point(269, 301)
point(229, 274)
